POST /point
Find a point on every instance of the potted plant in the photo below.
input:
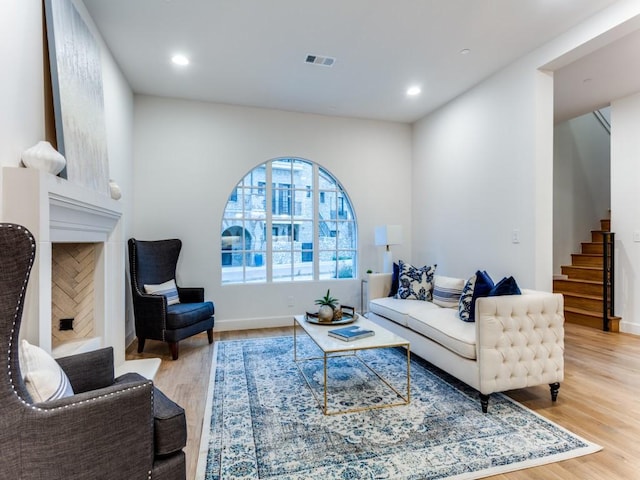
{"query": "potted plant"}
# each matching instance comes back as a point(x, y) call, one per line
point(328, 307)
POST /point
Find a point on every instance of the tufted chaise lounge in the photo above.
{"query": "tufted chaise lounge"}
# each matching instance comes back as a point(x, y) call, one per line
point(517, 341)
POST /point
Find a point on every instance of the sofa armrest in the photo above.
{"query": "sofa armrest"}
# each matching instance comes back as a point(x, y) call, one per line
point(520, 341)
point(90, 370)
point(378, 285)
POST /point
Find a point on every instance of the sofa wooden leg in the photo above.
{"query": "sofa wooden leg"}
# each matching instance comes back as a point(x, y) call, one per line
point(173, 346)
point(484, 401)
point(210, 335)
point(554, 391)
point(141, 344)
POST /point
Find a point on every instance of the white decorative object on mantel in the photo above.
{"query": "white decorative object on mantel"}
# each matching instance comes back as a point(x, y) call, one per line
point(43, 156)
point(114, 188)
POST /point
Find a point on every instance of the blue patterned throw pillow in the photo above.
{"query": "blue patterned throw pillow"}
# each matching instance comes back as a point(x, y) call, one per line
point(479, 285)
point(415, 283)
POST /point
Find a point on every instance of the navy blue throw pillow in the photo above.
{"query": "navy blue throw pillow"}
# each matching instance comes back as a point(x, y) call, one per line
point(506, 286)
point(484, 284)
point(479, 285)
point(394, 280)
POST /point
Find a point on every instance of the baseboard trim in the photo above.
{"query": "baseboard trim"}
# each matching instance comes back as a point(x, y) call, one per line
point(628, 327)
point(252, 323)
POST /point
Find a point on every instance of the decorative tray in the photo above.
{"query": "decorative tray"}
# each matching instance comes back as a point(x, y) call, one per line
point(348, 316)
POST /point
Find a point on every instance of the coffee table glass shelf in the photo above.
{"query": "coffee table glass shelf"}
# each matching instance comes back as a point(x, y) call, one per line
point(333, 347)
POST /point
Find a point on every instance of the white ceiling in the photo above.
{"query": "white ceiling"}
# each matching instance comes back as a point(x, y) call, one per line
point(251, 52)
point(591, 82)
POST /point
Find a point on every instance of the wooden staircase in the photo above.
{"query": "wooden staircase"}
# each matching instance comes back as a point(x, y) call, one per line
point(582, 286)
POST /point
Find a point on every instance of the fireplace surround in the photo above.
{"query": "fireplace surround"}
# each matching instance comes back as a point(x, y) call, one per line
point(57, 211)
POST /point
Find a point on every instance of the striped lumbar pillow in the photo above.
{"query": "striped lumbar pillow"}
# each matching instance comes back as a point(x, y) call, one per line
point(447, 291)
point(167, 289)
point(43, 377)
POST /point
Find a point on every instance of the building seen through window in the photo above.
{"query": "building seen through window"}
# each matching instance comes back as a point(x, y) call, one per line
point(308, 231)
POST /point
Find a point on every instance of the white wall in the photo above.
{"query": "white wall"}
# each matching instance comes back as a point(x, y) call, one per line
point(581, 184)
point(22, 92)
point(625, 208)
point(22, 105)
point(473, 181)
point(483, 164)
point(190, 155)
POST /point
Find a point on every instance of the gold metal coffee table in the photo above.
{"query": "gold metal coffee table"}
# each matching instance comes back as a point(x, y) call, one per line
point(332, 347)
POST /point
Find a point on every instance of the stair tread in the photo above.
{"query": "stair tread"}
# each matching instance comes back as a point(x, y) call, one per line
point(578, 280)
point(585, 267)
point(589, 313)
point(580, 295)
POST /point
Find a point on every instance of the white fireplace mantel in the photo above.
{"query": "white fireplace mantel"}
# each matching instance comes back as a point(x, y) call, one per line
point(56, 210)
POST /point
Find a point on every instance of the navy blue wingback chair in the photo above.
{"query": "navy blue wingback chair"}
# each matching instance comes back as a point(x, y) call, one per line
point(116, 428)
point(154, 263)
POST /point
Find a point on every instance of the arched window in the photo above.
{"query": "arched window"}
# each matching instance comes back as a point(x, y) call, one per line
point(288, 220)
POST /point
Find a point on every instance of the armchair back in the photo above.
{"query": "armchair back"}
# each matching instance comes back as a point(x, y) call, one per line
point(153, 262)
point(17, 253)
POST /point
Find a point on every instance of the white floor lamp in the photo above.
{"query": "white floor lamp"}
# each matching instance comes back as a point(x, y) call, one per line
point(387, 235)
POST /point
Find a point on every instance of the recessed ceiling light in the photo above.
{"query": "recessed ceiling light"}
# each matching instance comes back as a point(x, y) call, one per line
point(465, 51)
point(413, 91)
point(180, 60)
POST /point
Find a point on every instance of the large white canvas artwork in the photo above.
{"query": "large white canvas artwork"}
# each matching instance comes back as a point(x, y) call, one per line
point(76, 77)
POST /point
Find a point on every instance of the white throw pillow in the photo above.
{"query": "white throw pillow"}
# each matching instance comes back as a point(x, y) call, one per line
point(44, 378)
point(168, 289)
point(447, 291)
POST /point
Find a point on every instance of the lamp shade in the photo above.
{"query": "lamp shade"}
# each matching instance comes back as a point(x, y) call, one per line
point(388, 235)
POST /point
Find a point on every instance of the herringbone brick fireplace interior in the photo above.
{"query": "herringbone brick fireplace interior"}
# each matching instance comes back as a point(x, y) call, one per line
point(72, 291)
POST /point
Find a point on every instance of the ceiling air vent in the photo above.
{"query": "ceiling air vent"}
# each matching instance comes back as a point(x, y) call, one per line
point(320, 60)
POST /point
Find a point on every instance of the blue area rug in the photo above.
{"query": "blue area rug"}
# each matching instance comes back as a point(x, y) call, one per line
point(266, 424)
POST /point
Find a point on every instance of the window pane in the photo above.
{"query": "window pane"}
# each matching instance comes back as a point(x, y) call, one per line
point(234, 242)
point(326, 181)
point(346, 264)
point(346, 235)
point(303, 175)
point(282, 263)
point(256, 175)
point(328, 234)
point(255, 203)
point(233, 208)
point(302, 270)
point(302, 205)
point(327, 267)
point(257, 269)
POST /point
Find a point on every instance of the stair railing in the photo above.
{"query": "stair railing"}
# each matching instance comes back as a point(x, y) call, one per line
point(603, 121)
point(608, 278)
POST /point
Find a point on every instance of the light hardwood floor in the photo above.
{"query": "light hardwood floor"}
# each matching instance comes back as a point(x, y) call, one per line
point(599, 398)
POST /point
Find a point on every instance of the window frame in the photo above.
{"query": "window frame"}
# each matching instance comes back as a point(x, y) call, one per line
point(339, 243)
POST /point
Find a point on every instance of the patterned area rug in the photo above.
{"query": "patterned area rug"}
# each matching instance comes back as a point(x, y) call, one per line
point(266, 424)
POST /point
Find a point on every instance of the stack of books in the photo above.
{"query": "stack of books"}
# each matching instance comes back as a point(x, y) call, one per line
point(350, 333)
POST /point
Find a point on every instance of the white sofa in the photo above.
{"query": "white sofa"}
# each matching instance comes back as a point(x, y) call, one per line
point(516, 341)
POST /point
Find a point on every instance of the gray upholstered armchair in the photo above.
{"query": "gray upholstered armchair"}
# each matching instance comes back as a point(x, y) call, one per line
point(154, 263)
point(121, 428)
